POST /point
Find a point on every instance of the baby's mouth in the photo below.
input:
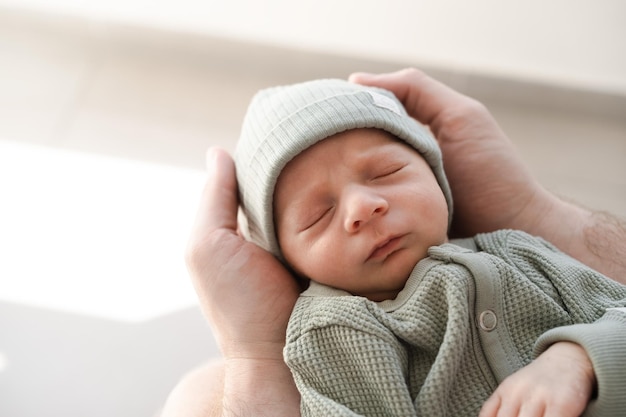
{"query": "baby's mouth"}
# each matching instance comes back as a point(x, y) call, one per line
point(385, 248)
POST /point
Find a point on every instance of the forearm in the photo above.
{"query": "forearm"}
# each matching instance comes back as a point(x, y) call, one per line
point(258, 388)
point(597, 239)
point(605, 238)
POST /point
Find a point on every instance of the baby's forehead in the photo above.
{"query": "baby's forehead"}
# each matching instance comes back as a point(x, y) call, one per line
point(356, 149)
point(353, 139)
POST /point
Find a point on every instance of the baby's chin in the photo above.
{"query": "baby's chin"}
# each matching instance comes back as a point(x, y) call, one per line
point(390, 285)
point(382, 295)
point(401, 265)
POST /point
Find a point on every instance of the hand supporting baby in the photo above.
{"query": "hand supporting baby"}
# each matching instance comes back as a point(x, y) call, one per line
point(246, 295)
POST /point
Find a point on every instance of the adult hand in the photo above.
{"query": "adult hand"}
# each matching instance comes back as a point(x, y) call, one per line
point(559, 383)
point(491, 186)
point(246, 295)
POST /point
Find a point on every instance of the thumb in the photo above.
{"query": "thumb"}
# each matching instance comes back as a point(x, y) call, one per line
point(220, 197)
point(218, 204)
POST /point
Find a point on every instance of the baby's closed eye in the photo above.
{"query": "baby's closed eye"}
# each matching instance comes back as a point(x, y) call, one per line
point(316, 217)
point(386, 171)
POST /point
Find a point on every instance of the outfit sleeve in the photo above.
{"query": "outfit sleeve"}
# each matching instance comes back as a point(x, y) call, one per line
point(343, 369)
point(596, 306)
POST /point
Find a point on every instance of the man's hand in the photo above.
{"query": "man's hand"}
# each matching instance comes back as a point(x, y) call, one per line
point(490, 184)
point(246, 294)
point(247, 297)
point(492, 187)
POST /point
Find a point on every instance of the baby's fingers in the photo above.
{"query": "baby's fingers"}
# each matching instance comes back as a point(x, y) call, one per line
point(511, 405)
point(491, 406)
point(501, 405)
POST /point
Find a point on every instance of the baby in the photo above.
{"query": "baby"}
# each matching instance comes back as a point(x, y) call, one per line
point(338, 182)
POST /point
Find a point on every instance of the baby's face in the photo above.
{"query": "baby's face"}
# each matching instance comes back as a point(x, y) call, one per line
point(357, 211)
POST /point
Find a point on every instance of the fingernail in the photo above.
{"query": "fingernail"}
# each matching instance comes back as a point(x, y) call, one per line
point(359, 75)
point(211, 157)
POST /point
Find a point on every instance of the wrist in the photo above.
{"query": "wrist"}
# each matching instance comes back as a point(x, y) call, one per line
point(559, 222)
point(596, 239)
point(253, 351)
point(253, 386)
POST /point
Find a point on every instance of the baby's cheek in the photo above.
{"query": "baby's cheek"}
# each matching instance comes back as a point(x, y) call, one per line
point(325, 259)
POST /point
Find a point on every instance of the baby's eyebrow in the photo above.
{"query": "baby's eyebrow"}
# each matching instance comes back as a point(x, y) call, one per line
point(376, 159)
point(300, 219)
point(301, 199)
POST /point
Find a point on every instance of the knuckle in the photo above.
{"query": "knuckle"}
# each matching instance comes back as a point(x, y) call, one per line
point(412, 72)
point(469, 108)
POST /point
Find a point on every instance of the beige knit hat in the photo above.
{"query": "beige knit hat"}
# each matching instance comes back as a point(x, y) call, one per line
point(281, 122)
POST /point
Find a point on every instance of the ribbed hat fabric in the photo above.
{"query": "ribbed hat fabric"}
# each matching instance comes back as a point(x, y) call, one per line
point(283, 121)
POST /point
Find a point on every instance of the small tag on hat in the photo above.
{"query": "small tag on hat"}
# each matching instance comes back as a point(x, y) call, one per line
point(385, 102)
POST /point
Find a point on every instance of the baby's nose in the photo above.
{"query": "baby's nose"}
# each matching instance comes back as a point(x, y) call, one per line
point(362, 206)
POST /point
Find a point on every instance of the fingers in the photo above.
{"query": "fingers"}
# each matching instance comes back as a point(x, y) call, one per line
point(497, 407)
point(490, 407)
point(513, 406)
point(424, 98)
point(217, 209)
point(218, 202)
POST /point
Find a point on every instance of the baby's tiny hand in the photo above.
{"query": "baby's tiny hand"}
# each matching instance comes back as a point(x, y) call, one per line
point(559, 383)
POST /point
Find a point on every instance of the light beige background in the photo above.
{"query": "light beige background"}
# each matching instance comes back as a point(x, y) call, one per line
point(106, 109)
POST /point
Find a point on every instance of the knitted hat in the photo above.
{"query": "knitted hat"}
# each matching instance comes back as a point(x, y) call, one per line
point(282, 122)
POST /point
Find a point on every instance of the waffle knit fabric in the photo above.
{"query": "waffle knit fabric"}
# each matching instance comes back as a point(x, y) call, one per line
point(281, 122)
point(468, 317)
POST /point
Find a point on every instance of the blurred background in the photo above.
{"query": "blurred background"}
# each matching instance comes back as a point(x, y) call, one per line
point(107, 108)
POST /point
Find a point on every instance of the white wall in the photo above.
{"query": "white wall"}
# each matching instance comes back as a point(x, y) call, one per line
point(567, 42)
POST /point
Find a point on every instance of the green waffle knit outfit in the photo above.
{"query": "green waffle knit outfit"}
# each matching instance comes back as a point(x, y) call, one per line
point(471, 314)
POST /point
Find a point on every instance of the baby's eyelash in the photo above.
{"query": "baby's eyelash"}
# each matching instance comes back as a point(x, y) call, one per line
point(317, 218)
point(389, 171)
